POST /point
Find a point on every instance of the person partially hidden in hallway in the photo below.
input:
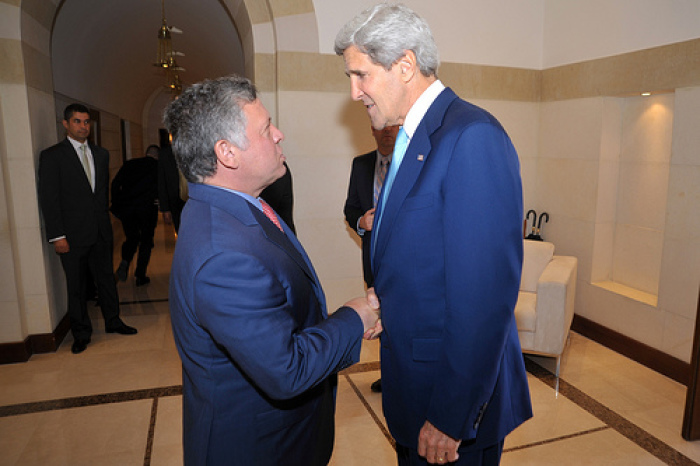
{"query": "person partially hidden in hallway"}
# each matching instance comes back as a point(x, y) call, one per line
point(74, 199)
point(259, 351)
point(172, 188)
point(134, 203)
point(366, 180)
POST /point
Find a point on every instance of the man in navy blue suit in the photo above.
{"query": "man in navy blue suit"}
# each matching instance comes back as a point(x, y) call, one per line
point(259, 350)
point(446, 250)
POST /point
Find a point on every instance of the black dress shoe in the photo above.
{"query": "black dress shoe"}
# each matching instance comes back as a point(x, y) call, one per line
point(142, 281)
point(376, 386)
point(123, 329)
point(79, 346)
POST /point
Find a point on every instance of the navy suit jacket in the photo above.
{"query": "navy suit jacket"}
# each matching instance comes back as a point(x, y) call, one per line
point(447, 264)
point(258, 350)
point(69, 205)
point(360, 199)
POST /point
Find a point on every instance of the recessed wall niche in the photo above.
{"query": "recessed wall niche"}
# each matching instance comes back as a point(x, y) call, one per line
point(632, 192)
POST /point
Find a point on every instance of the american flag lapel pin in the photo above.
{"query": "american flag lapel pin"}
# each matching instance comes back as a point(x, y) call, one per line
point(420, 157)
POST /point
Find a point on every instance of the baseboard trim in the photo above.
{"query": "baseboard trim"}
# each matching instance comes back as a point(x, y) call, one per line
point(21, 351)
point(652, 358)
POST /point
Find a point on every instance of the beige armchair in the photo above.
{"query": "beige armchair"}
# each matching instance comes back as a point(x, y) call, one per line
point(545, 304)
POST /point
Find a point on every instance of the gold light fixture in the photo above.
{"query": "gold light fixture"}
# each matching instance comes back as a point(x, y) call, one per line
point(165, 43)
point(166, 55)
point(175, 84)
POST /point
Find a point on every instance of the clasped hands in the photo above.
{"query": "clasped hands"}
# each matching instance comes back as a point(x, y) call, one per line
point(369, 311)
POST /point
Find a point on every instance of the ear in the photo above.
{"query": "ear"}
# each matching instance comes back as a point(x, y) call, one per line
point(65, 124)
point(227, 154)
point(408, 65)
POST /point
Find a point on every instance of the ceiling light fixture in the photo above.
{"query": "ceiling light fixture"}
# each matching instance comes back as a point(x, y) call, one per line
point(165, 43)
point(166, 55)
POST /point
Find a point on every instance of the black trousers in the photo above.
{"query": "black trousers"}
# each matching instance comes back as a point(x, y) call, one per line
point(76, 263)
point(139, 228)
point(490, 456)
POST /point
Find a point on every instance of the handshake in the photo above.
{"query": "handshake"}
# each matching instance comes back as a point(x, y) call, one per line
point(368, 309)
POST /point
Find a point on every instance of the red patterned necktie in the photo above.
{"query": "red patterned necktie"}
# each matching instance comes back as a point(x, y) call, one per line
point(271, 214)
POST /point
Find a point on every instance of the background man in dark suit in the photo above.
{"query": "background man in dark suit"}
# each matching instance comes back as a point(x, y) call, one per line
point(134, 203)
point(446, 250)
point(73, 193)
point(171, 198)
point(259, 350)
point(280, 196)
point(366, 179)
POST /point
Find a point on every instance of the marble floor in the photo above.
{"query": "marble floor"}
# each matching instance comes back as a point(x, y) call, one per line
point(119, 402)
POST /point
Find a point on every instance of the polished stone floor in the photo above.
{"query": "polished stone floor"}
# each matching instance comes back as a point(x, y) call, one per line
point(119, 402)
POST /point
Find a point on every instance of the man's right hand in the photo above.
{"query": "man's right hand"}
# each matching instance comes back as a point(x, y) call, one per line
point(367, 220)
point(367, 307)
point(61, 246)
point(167, 218)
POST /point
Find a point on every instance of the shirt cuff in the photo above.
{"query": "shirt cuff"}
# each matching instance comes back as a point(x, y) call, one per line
point(360, 231)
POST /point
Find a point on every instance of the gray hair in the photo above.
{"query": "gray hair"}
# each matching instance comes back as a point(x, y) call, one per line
point(203, 114)
point(385, 32)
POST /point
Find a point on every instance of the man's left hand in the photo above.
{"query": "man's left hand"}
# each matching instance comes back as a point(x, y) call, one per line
point(435, 446)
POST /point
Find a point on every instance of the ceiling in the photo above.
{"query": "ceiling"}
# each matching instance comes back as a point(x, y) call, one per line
point(102, 51)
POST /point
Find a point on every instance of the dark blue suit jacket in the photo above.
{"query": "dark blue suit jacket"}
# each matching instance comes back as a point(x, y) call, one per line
point(447, 263)
point(258, 350)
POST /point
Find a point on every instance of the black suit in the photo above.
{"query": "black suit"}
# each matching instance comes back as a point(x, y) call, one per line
point(360, 199)
point(169, 199)
point(73, 210)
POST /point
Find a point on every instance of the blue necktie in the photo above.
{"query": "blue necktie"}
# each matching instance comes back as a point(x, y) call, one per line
point(399, 151)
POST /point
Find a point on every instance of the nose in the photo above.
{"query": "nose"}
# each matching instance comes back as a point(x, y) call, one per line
point(355, 91)
point(278, 136)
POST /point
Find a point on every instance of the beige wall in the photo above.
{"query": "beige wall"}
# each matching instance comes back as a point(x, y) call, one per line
point(571, 137)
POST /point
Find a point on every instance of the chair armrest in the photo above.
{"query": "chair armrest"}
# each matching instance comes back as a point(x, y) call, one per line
point(556, 290)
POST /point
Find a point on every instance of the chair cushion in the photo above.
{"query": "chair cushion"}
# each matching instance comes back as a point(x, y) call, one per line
point(525, 311)
point(537, 255)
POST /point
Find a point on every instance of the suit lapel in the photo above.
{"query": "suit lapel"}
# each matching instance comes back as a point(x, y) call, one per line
point(417, 154)
point(289, 243)
point(101, 164)
point(283, 241)
point(368, 177)
point(250, 215)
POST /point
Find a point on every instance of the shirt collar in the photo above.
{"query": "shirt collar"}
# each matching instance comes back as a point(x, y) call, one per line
point(247, 197)
point(421, 106)
point(380, 156)
point(76, 145)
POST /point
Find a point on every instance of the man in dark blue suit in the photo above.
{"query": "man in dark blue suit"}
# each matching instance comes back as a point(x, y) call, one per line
point(259, 350)
point(446, 250)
